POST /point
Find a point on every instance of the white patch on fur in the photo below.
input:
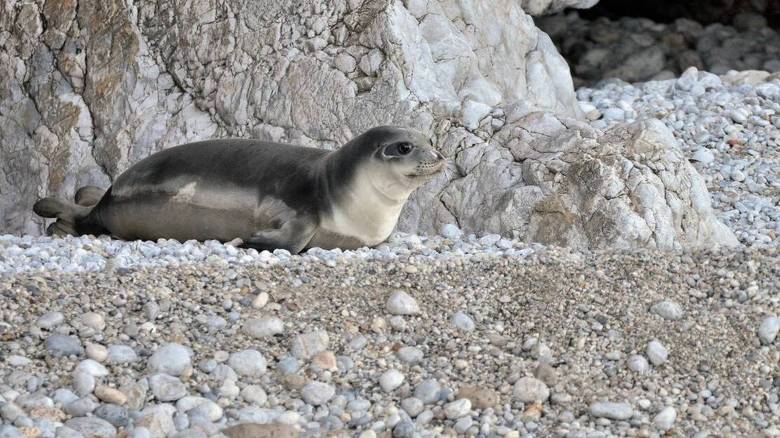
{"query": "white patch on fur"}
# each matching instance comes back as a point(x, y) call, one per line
point(186, 193)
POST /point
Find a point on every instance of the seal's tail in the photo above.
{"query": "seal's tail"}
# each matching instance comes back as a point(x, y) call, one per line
point(69, 215)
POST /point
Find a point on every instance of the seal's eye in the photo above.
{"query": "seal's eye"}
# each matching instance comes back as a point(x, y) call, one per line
point(405, 148)
point(398, 149)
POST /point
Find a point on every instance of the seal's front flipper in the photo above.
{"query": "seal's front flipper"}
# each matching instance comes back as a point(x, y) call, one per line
point(293, 236)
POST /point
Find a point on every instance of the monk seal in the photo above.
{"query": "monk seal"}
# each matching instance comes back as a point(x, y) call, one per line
point(268, 195)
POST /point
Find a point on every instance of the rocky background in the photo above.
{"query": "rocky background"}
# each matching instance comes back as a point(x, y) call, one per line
point(648, 163)
point(90, 89)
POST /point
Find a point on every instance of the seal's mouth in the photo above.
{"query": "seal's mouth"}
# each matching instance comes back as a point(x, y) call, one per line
point(428, 169)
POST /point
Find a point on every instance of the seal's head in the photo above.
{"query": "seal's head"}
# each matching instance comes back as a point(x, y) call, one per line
point(394, 161)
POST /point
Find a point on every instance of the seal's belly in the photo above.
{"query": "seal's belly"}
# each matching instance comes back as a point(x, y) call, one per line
point(185, 211)
point(152, 219)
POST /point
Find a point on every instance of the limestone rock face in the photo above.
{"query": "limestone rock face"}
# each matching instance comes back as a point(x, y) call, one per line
point(544, 7)
point(104, 84)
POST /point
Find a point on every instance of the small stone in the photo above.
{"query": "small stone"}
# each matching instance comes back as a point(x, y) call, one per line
point(767, 331)
point(667, 310)
point(92, 427)
point(92, 368)
point(638, 364)
point(49, 320)
point(529, 389)
point(428, 391)
point(657, 353)
point(401, 303)
point(410, 355)
point(326, 360)
point(307, 345)
point(546, 373)
point(480, 397)
point(260, 300)
point(166, 387)
point(18, 361)
point(80, 407)
point(704, 156)
point(390, 380)
point(110, 395)
point(97, 352)
point(172, 359)
point(457, 409)
point(413, 406)
point(665, 419)
point(121, 354)
point(255, 430)
point(254, 394)
point(263, 327)
point(612, 411)
point(463, 321)
point(114, 414)
point(63, 345)
point(532, 412)
point(250, 363)
point(451, 231)
point(463, 424)
point(288, 365)
point(83, 382)
point(317, 393)
point(94, 321)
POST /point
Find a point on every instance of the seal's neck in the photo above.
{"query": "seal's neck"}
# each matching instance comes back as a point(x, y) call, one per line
point(365, 201)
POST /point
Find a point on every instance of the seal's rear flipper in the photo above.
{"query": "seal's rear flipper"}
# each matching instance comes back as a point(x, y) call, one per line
point(88, 196)
point(68, 216)
point(52, 207)
point(61, 228)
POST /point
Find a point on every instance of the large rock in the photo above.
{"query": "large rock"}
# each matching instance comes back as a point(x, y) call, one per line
point(478, 77)
point(555, 180)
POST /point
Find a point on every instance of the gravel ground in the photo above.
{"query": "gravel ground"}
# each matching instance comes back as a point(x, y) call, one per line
point(547, 343)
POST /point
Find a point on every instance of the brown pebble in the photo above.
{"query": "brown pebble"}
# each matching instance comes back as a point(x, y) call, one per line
point(480, 398)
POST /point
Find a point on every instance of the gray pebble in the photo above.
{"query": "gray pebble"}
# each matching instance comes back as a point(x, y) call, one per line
point(428, 391)
point(612, 411)
point(657, 353)
point(121, 354)
point(249, 363)
point(638, 364)
point(63, 345)
point(92, 427)
point(80, 407)
point(167, 388)
point(665, 419)
point(317, 393)
point(410, 354)
point(457, 408)
point(413, 406)
point(263, 327)
point(114, 414)
point(463, 321)
point(529, 390)
point(170, 359)
point(49, 320)
point(767, 331)
point(667, 310)
point(390, 380)
point(288, 365)
point(401, 303)
point(308, 345)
